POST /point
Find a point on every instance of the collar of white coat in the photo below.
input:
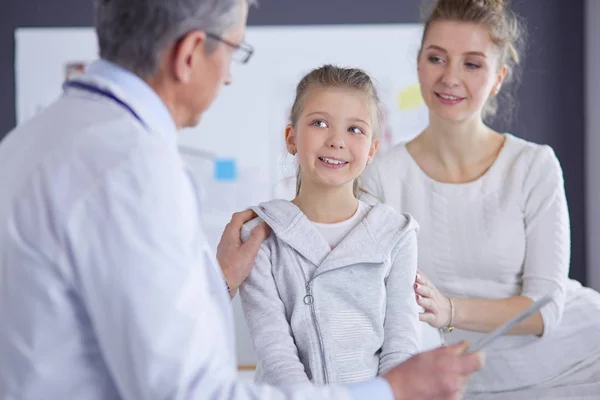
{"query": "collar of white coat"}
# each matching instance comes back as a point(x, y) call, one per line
point(137, 94)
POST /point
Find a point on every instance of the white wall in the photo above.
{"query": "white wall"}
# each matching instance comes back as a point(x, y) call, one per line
point(592, 37)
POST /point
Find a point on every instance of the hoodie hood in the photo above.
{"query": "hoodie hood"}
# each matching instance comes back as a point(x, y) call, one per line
point(289, 224)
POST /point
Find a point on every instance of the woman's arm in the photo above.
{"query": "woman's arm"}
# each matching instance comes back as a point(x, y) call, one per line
point(479, 315)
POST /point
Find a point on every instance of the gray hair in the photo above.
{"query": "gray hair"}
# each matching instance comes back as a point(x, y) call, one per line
point(133, 33)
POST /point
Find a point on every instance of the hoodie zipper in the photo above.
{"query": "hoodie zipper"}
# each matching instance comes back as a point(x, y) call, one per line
point(309, 300)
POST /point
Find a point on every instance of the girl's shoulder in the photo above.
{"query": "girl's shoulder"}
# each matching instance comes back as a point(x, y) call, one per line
point(389, 226)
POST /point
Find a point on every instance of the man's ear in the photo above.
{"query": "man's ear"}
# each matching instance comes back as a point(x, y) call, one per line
point(187, 52)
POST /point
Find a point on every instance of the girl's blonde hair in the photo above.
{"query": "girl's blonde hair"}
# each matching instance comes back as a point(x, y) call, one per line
point(330, 76)
point(507, 33)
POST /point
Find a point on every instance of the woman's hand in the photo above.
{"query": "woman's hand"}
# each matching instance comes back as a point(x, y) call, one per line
point(437, 307)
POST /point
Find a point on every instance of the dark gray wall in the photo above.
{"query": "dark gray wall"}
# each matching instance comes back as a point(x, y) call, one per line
point(551, 97)
point(592, 145)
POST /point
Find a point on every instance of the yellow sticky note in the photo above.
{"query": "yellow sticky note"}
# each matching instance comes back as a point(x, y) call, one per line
point(410, 97)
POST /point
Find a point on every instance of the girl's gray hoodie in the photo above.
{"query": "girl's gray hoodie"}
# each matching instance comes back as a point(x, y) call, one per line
point(331, 316)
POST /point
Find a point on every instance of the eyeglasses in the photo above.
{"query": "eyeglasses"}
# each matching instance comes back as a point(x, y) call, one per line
point(241, 52)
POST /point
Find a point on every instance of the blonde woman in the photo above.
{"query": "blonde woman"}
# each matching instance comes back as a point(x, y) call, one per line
point(493, 214)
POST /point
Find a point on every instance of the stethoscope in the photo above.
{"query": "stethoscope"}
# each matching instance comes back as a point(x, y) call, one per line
point(104, 93)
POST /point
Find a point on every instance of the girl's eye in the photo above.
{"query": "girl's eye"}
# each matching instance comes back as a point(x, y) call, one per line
point(319, 123)
point(435, 59)
point(355, 129)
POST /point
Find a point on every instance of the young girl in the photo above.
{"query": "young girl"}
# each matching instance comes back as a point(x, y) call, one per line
point(494, 219)
point(330, 297)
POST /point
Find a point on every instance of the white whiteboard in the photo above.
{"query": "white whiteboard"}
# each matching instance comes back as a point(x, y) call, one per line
point(246, 123)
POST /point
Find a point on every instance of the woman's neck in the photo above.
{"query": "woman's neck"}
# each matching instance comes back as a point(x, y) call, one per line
point(456, 142)
point(456, 152)
point(458, 145)
point(326, 205)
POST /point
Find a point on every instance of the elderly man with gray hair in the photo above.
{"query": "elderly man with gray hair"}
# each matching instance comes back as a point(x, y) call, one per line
point(107, 287)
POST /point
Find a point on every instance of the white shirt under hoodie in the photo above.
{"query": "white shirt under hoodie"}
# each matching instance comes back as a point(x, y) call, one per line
point(325, 315)
point(335, 232)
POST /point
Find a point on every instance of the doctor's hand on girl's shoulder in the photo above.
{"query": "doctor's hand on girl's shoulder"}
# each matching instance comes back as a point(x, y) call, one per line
point(235, 257)
point(437, 307)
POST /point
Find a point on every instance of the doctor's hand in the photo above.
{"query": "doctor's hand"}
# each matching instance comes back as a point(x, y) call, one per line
point(436, 374)
point(438, 311)
point(236, 258)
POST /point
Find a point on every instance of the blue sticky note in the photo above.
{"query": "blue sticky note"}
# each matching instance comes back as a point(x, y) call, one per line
point(225, 170)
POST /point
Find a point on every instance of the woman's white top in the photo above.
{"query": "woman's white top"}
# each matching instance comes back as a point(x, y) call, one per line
point(505, 234)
